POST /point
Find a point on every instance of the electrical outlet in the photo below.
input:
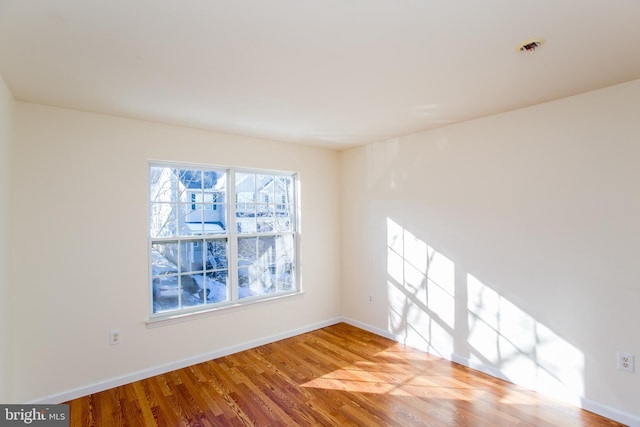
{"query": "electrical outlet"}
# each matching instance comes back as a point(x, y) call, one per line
point(114, 337)
point(370, 298)
point(625, 362)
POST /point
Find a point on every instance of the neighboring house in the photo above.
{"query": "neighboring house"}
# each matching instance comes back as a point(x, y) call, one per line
point(262, 203)
point(201, 209)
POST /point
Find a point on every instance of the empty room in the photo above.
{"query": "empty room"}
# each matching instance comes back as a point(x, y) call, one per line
point(320, 213)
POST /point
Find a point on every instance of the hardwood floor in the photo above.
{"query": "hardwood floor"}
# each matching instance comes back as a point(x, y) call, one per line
point(336, 376)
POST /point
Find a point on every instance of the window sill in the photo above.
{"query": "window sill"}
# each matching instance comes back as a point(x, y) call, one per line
point(173, 318)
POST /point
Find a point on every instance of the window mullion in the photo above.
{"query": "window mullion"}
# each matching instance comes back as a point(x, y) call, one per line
point(205, 278)
point(201, 206)
point(179, 273)
point(232, 230)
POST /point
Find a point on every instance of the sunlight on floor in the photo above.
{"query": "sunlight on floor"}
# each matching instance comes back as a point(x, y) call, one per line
point(421, 381)
point(397, 380)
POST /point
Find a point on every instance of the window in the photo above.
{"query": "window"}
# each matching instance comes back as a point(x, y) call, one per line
point(206, 252)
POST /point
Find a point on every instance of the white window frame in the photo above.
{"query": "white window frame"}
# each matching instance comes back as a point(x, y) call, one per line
point(232, 236)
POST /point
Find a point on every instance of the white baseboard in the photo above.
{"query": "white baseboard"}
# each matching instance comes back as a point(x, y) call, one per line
point(489, 370)
point(611, 413)
point(372, 329)
point(183, 363)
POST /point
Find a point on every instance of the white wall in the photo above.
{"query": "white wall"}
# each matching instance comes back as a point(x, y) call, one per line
point(6, 121)
point(79, 213)
point(508, 243)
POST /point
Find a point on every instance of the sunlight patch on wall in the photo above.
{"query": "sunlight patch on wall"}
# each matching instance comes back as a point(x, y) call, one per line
point(524, 350)
point(492, 332)
point(441, 286)
point(420, 291)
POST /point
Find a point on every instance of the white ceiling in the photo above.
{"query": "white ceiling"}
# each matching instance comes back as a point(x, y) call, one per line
point(333, 73)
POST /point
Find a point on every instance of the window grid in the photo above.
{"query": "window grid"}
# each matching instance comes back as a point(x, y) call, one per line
point(199, 258)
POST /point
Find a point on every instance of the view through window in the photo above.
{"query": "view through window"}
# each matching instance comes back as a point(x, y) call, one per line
point(219, 236)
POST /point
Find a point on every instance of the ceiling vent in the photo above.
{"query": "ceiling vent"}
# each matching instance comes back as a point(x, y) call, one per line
point(530, 46)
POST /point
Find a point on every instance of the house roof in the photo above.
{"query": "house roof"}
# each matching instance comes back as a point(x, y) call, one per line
point(193, 178)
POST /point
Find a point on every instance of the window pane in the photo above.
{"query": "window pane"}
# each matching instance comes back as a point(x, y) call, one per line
point(245, 203)
point(165, 293)
point(163, 184)
point(265, 224)
point(199, 218)
point(246, 266)
point(191, 256)
point(284, 218)
point(190, 180)
point(215, 210)
point(215, 218)
point(164, 258)
point(163, 221)
point(192, 289)
point(216, 255)
point(283, 190)
point(214, 180)
point(216, 284)
point(265, 265)
point(264, 187)
point(164, 271)
point(216, 276)
point(246, 221)
point(245, 183)
point(190, 219)
point(284, 260)
point(263, 209)
point(283, 221)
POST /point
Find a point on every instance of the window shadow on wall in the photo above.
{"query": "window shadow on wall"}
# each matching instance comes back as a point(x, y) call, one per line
point(436, 306)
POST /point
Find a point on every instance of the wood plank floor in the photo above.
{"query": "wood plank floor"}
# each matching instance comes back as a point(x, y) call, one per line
point(336, 376)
